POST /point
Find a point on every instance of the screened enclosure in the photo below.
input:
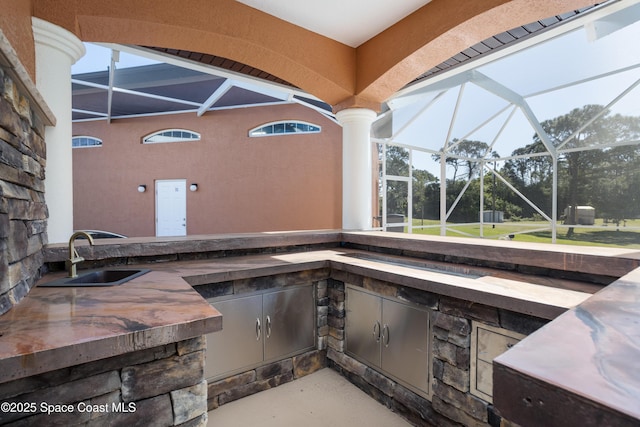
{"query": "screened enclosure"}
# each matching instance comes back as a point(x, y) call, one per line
point(524, 145)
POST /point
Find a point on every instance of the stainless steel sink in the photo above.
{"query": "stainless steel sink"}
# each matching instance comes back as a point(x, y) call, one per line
point(104, 277)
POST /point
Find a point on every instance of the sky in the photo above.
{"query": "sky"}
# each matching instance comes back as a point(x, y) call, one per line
point(98, 58)
point(554, 63)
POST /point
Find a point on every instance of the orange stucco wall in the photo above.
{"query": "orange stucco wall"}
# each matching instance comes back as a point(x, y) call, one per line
point(245, 184)
point(15, 24)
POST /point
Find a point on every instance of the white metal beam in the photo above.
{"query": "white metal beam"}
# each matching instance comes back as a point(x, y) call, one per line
point(604, 111)
point(581, 81)
point(489, 120)
point(596, 13)
point(455, 203)
point(418, 115)
point(410, 97)
point(188, 111)
point(327, 114)
point(215, 96)
point(446, 147)
point(266, 86)
point(115, 57)
point(263, 89)
point(504, 92)
point(600, 147)
point(502, 128)
point(443, 195)
point(135, 93)
point(554, 200)
point(272, 89)
point(92, 113)
point(482, 164)
point(522, 196)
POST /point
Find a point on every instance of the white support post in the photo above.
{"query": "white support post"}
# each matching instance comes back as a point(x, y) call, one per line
point(56, 51)
point(357, 190)
point(482, 200)
point(443, 193)
point(554, 201)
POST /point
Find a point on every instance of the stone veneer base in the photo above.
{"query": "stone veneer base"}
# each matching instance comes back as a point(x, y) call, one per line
point(23, 211)
point(162, 384)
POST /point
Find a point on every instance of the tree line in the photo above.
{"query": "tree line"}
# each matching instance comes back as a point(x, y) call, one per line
point(598, 164)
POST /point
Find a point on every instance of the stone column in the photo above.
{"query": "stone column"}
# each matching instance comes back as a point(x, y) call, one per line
point(56, 51)
point(356, 168)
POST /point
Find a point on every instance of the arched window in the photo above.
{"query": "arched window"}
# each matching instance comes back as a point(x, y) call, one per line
point(286, 127)
point(171, 135)
point(85, 141)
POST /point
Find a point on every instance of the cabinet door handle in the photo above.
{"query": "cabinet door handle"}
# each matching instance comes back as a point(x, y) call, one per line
point(386, 334)
point(258, 329)
point(376, 331)
point(268, 326)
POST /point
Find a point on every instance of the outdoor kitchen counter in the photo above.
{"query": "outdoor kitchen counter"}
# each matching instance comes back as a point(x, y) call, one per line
point(57, 327)
point(585, 360)
point(510, 291)
point(53, 328)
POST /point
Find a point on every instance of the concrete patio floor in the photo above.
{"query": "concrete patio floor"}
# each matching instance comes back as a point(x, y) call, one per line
point(321, 399)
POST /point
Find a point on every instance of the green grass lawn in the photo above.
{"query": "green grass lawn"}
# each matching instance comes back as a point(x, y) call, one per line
point(612, 236)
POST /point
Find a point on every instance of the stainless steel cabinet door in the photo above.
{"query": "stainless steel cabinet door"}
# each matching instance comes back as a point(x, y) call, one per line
point(405, 343)
point(288, 318)
point(239, 344)
point(363, 329)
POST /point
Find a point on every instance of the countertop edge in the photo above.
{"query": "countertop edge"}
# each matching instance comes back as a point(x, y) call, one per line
point(579, 355)
point(105, 326)
point(22, 366)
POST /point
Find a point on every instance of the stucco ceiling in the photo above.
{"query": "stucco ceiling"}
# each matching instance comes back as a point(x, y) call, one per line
point(351, 22)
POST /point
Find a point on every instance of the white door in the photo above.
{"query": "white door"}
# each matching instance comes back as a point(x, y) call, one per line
point(171, 207)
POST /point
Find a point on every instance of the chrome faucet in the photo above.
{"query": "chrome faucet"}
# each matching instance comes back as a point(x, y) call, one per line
point(74, 258)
